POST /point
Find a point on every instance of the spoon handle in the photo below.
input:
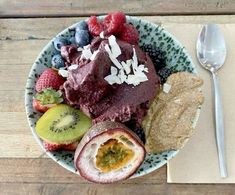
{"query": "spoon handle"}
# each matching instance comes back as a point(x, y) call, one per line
point(219, 122)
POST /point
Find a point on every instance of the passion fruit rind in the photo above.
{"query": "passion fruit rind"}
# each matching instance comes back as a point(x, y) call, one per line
point(99, 130)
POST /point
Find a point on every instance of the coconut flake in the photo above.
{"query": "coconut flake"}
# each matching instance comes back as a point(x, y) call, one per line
point(135, 60)
point(112, 58)
point(86, 53)
point(166, 88)
point(122, 76)
point(127, 66)
point(79, 49)
point(63, 73)
point(116, 51)
point(102, 35)
point(73, 67)
point(94, 54)
point(132, 79)
point(112, 79)
point(113, 70)
point(121, 73)
point(87, 46)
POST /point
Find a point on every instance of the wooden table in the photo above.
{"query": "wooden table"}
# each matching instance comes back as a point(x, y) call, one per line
point(25, 27)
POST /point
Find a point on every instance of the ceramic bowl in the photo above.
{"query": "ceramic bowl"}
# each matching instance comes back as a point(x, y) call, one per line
point(177, 59)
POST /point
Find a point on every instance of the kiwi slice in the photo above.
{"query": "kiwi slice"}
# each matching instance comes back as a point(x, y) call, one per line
point(62, 124)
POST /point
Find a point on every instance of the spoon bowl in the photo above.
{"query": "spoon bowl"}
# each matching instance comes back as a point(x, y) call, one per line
point(211, 48)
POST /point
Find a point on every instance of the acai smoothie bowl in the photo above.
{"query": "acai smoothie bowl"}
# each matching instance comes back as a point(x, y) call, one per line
point(113, 97)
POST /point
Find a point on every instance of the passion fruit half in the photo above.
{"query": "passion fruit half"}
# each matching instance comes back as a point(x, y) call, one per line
point(108, 152)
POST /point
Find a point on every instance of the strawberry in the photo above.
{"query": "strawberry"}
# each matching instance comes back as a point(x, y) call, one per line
point(95, 27)
point(113, 22)
point(71, 146)
point(46, 99)
point(54, 147)
point(51, 147)
point(129, 34)
point(49, 78)
point(41, 108)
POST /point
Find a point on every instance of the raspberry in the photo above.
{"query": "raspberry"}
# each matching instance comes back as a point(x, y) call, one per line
point(129, 34)
point(113, 22)
point(95, 27)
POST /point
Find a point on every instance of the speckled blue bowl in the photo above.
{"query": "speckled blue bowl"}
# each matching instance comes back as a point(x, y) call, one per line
point(177, 59)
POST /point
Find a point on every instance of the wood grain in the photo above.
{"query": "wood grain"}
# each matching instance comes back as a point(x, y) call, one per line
point(48, 171)
point(31, 8)
point(43, 176)
point(24, 169)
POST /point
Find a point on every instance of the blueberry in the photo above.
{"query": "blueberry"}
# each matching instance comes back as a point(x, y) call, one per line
point(59, 42)
point(155, 55)
point(82, 25)
point(57, 61)
point(82, 38)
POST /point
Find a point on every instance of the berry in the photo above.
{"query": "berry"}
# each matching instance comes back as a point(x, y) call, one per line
point(39, 107)
point(49, 78)
point(58, 42)
point(46, 99)
point(51, 147)
point(114, 22)
point(57, 61)
point(71, 146)
point(163, 74)
point(95, 27)
point(139, 131)
point(54, 147)
point(155, 55)
point(129, 34)
point(82, 25)
point(82, 38)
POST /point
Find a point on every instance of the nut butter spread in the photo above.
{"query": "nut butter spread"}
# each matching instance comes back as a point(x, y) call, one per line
point(169, 120)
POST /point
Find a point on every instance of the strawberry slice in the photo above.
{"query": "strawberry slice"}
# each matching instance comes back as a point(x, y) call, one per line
point(41, 108)
point(46, 99)
point(53, 147)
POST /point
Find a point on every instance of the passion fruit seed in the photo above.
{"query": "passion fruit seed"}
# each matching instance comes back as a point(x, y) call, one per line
point(112, 155)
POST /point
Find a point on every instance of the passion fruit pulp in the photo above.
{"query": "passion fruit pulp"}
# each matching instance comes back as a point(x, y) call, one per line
point(112, 155)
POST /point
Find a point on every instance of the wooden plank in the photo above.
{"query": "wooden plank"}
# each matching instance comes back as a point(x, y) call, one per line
point(41, 170)
point(75, 189)
point(13, 77)
point(26, 8)
point(11, 101)
point(16, 137)
point(113, 189)
point(21, 52)
point(43, 176)
point(45, 28)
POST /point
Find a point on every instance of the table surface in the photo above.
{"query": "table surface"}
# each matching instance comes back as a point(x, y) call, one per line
point(25, 27)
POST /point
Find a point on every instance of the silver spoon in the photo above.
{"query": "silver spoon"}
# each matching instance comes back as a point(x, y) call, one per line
point(211, 53)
